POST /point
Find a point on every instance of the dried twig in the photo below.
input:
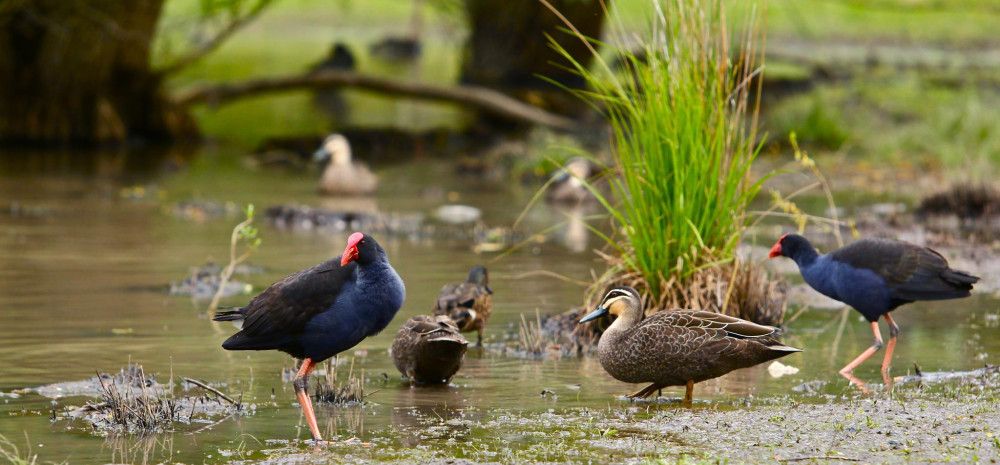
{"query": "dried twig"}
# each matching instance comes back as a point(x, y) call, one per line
point(482, 98)
point(211, 389)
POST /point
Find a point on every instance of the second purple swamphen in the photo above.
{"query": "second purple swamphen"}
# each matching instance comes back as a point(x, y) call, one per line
point(875, 276)
point(321, 311)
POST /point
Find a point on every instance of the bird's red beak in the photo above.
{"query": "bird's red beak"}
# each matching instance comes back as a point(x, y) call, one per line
point(776, 248)
point(775, 251)
point(351, 251)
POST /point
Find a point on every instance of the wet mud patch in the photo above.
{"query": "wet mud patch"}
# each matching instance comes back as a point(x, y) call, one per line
point(130, 376)
point(131, 402)
point(444, 224)
point(966, 202)
point(951, 421)
point(550, 337)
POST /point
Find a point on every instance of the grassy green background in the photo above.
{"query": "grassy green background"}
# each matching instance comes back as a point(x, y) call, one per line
point(932, 100)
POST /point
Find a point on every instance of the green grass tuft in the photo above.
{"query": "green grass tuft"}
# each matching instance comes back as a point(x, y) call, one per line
point(10, 454)
point(684, 136)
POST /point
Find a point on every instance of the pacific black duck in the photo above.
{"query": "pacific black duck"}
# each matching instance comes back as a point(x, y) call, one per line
point(678, 347)
point(342, 175)
point(429, 350)
point(469, 303)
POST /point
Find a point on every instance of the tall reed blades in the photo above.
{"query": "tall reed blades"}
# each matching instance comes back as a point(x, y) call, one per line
point(684, 139)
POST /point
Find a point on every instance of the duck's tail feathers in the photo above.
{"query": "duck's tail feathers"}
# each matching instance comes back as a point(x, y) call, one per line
point(783, 348)
point(229, 315)
point(450, 340)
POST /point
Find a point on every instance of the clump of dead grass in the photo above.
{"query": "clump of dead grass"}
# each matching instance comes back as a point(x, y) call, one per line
point(739, 288)
point(133, 403)
point(331, 390)
point(10, 454)
point(136, 405)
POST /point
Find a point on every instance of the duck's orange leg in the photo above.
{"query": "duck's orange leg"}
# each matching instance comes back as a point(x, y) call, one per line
point(300, 383)
point(689, 393)
point(846, 372)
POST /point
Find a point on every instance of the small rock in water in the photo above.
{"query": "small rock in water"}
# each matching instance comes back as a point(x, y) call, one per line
point(18, 210)
point(131, 375)
point(203, 282)
point(777, 369)
point(457, 214)
point(810, 387)
point(199, 210)
point(887, 208)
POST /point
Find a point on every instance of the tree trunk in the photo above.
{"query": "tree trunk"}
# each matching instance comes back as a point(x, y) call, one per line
point(77, 71)
point(509, 48)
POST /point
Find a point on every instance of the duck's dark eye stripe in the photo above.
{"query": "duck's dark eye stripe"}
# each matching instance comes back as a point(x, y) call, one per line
point(615, 293)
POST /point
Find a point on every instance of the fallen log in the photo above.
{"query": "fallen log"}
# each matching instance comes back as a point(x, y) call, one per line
point(940, 376)
point(481, 98)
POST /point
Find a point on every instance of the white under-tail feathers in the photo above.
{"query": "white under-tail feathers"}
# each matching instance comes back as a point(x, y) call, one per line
point(449, 338)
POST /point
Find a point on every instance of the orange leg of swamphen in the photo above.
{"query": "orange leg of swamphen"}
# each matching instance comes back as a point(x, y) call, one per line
point(890, 346)
point(300, 383)
point(689, 393)
point(846, 372)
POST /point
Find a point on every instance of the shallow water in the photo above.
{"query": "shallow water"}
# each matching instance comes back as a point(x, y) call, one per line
point(86, 259)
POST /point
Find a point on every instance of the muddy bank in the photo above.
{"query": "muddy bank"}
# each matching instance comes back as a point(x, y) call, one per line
point(130, 401)
point(953, 423)
point(449, 222)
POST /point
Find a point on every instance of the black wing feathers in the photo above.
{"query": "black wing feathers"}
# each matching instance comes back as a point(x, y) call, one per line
point(284, 308)
point(734, 327)
point(912, 272)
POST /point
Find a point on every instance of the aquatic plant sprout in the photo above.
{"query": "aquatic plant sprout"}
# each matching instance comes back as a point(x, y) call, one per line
point(684, 139)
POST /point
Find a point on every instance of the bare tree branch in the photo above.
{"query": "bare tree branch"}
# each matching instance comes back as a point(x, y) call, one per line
point(212, 44)
point(481, 98)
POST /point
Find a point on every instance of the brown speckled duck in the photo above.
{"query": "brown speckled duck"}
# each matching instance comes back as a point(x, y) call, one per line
point(468, 304)
point(679, 347)
point(342, 175)
point(429, 350)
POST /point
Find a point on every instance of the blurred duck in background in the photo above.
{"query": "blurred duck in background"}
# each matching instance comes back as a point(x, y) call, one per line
point(469, 303)
point(342, 175)
point(569, 184)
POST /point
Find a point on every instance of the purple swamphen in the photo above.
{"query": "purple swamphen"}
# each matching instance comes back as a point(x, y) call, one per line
point(875, 276)
point(321, 311)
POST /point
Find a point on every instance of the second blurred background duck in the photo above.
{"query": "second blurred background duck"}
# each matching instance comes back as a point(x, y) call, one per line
point(568, 185)
point(469, 303)
point(342, 175)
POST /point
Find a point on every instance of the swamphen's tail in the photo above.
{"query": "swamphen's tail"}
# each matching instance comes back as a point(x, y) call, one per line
point(946, 284)
point(959, 279)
